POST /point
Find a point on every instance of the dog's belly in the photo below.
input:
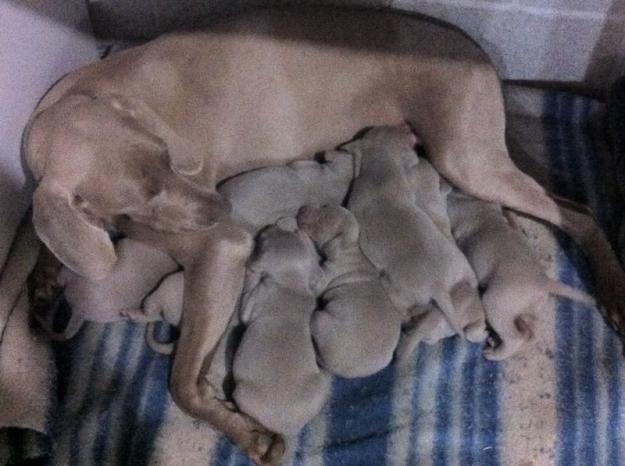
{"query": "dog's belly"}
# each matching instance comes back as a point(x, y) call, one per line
point(276, 86)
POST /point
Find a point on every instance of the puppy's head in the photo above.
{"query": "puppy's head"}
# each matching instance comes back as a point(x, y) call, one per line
point(328, 223)
point(97, 162)
point(398, 139)
point(282, 251)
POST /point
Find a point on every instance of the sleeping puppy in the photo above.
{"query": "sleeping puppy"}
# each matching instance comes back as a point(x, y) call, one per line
point(261, 197)
point(358, 328)
point(514, 283)
point(277, 379)
point(137, 272)
point(417, 261)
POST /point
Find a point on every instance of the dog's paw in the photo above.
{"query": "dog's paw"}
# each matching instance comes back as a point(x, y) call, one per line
point(264, 448)
point(268, 449)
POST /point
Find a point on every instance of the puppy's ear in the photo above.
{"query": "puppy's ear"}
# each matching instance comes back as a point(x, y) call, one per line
point(184, 157)
point(82, 246)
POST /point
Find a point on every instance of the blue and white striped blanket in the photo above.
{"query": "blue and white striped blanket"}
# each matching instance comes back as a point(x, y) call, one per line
point(559, 402)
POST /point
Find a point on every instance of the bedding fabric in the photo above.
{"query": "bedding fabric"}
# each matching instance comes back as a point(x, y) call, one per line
point(559, 402)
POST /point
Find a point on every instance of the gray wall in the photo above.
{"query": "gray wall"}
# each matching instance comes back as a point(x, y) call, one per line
point(564, 40)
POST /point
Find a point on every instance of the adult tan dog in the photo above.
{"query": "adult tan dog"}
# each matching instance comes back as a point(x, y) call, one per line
point(138, 142)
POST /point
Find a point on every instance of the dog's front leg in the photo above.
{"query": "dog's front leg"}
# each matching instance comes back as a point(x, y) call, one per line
point(213, 283)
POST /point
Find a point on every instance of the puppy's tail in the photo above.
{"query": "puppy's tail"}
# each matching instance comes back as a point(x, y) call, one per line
point(153, 343)
point(565, 291)
point(20, 262)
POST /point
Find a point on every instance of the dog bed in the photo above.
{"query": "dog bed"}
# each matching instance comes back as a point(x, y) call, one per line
point(558, 402)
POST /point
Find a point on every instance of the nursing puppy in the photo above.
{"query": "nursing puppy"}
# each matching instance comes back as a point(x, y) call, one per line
point(261, 197)
point(514, 283)
point(357, 330)
point(137, 272)
point(277, 379)
point(417, 261)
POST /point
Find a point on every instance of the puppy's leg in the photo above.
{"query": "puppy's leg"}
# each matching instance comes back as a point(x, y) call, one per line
point(212, 284)
point(427, 324)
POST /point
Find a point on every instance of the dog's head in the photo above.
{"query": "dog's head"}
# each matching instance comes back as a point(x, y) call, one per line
point(98, 160)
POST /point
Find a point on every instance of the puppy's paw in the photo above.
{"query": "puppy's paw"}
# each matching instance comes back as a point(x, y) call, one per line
point(136, 315)
point(476, 332)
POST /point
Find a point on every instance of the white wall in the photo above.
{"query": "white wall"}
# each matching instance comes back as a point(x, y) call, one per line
point(39, 42)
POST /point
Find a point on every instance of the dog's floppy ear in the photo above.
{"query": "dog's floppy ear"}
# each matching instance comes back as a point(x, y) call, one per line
point(184, 157)
point(82, 246)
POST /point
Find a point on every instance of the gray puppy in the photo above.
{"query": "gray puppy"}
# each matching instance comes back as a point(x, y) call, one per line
point(136, 273)
point(260, 197)
point(418, 262)
point(277, 379)
point(358, 328)
point(514, 283)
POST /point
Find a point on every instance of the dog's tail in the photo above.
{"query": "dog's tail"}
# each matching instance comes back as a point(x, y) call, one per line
point(153, 343)
point(565, 291)
point(19, 263)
